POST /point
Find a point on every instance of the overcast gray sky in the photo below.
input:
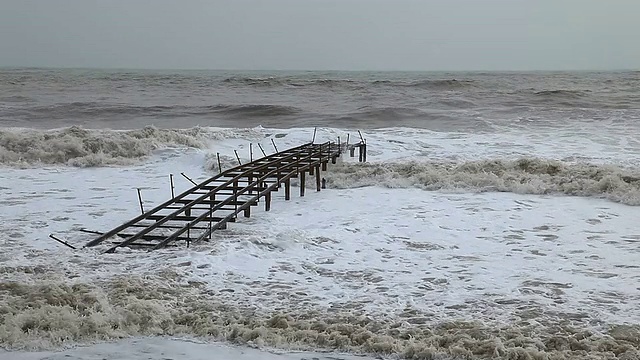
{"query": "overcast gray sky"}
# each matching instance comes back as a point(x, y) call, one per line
point(322, 34)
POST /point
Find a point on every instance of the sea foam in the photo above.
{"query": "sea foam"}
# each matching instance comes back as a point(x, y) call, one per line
point(527, 175)
point(49, 314)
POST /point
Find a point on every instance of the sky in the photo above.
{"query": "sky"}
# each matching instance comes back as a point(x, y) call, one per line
point(424, 35)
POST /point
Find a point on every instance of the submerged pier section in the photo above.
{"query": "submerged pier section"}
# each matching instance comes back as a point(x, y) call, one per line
point(195, 214)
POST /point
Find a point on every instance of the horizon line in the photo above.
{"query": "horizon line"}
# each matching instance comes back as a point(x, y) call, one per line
point(310, 70)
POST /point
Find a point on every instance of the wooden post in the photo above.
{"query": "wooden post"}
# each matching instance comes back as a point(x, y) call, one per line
point(352, 151)
point(360, 152)
point(324, 183)
point(210, 221)
point(364, 152)
point(274, 145)
point(235, 191)
point(314, 135)
point(219, 164)
point(324, 166)
point(247, 212)
point(311, 170)
point(302, 185)
point(287, 189)
point(251, 152)
point(267, 201)
point(318, 177)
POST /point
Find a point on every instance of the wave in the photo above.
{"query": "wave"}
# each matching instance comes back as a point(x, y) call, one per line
point(284, 81)
point(569, 94)
point(435, 84)
point(15, 99)
point(386, 113)
point(451, 84)
point(522, 176)
point(256, 110)
point(80, 147)
point(99, 109)
point(46, 314)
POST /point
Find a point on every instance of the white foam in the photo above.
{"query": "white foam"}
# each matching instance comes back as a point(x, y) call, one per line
point(170, 348)
point(405, 259)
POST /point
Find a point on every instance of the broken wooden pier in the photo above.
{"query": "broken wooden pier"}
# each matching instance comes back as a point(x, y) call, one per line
point(195, 214)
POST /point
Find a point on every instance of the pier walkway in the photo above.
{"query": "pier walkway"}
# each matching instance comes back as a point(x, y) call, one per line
point(195, 214)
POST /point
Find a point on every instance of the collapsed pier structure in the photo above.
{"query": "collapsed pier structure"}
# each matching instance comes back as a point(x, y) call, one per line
point(195, 214)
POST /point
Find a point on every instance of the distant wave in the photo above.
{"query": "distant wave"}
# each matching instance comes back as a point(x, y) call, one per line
point(284, 81)
point(434, 84)
point(80, 147)
point(99, 109)
point(386, 113)
point(442, 84)
point(523, 176)
point(14, 99)
point(572, 94)
point(256, 110)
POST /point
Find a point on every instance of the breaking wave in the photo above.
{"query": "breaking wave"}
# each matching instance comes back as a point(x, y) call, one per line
point(80, 147)
point(523, 176)
point(49, 314)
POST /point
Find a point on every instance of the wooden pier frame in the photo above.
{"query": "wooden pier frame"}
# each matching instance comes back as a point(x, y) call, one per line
point(195, 214)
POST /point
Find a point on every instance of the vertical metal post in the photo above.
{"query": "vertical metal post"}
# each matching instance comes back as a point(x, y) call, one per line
point(274, 145)
point(250, 152)
point(261, 149)
point(219, 163)
point(186, 177)
point(314, 135)
point(173, 194)
point(140, 200)
point(237, 157)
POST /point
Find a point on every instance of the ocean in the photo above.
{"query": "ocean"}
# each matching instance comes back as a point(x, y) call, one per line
point(496, 216)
